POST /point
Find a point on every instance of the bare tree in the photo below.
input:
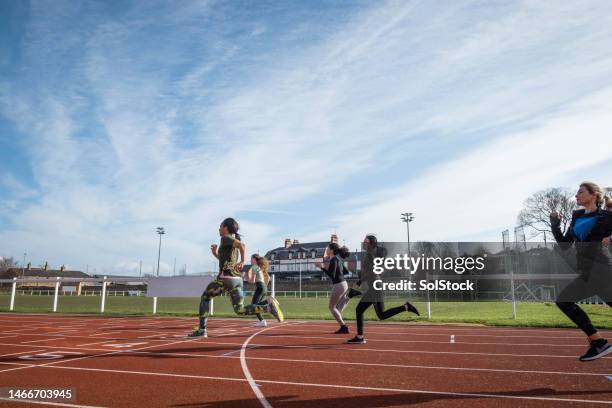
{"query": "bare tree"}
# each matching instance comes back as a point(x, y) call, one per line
point(537, 209)
point(6, 263)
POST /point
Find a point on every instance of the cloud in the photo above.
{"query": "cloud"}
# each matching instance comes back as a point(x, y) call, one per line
point(170, 115)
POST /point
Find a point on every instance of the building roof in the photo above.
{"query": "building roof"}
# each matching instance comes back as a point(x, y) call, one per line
point(282, 253)
point(11, 273)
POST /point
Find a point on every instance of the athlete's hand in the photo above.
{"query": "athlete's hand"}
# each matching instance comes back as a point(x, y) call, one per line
point(213, 248)
point(606, 241)
point(555, 219)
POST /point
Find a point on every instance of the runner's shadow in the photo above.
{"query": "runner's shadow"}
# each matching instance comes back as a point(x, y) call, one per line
point(389, 400)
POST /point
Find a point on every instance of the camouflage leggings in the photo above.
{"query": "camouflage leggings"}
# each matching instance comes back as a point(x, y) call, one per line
point(232, 286)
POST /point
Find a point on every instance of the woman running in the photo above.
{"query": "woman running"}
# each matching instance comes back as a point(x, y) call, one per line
point(336, 270)
point(371, 296)
point(589, 231)
point(230, 254)
point(261, 278)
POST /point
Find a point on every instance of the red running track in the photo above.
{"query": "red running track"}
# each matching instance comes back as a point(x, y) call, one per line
point(147, 362)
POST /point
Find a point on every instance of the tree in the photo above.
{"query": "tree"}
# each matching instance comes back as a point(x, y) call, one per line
point(7, 263)
point(537, 209)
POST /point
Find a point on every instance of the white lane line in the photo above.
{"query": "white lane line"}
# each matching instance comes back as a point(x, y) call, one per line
point(125, 351)
point(38, 341)
point(442, 330)
point(247, 373)
point(299, 384)
point(442, 342)
point(335, 362)
point(56, 404)
point(245, 369)
point(18, 353)
point(356, 363)
point(429, 335)
point(337, 347)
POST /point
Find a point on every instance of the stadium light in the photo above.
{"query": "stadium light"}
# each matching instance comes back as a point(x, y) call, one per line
point(160, 231)
point(408, 218)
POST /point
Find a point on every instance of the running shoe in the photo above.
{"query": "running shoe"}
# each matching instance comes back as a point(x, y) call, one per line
point(274, 309)
point(198, 333)
point(261, 323)
point(598, 349)
point(356, 340)
point(410, 308)
point(353, 293)
point(342, 330)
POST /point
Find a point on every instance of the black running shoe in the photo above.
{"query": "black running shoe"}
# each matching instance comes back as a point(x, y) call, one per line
point(342, 330)
point(356, 340)
point(353, 293)
point(598, 349)
point(410, 308)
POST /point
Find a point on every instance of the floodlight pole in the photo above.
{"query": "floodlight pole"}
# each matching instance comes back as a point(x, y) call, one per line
point(160, 231)
point(408, 218)
point(23, 265)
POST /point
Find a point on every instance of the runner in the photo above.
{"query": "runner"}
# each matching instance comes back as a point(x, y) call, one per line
point(230, 254)
point(260, 277)
point(590, 232)
point(371, 296)
point(338, 298)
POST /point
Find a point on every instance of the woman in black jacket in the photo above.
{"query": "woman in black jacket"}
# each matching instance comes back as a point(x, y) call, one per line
point(338, 298)
point(589, 232)
point(373, 297)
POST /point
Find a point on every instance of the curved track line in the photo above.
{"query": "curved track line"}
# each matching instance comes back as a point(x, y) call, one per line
point(247, 373)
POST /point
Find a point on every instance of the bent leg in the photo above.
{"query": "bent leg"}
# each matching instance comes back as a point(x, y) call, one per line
point(383, 314)
point(576, 290)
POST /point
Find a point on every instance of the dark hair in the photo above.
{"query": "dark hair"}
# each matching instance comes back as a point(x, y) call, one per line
point(334, 247)
point(373, 240)
point(338, 250)
point(344, 252)
point(232, 226)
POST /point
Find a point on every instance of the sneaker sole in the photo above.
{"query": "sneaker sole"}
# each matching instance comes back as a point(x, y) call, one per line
point(353, 342)
point(279, 313)
point(600, 355)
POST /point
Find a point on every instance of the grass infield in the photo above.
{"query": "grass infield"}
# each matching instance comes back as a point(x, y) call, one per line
point(487, 313)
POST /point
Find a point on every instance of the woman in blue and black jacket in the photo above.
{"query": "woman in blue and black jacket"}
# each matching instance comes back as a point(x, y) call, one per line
point(589, 231)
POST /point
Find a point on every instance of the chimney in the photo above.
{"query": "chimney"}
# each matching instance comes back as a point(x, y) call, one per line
point(296, 242)
point(334, 238)
point(287, 242)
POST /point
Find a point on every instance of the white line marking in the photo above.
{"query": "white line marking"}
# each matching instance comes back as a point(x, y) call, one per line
point(338, 347)
point(441, 342)
point(57, 404)
point(38, 341)
point(247, 373)
point(407, 391)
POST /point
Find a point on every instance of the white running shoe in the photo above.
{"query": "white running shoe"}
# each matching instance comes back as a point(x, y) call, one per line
point(261, 323)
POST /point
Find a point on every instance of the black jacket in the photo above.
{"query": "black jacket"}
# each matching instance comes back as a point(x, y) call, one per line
point(335, 270)
point(590, 249)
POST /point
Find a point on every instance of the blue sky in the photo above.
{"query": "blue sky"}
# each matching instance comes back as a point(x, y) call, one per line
point(297, 118)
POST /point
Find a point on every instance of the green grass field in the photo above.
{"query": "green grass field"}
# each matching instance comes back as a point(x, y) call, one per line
point(488, 313)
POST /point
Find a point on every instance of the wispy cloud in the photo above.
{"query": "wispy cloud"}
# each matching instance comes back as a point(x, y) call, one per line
point(181, 115)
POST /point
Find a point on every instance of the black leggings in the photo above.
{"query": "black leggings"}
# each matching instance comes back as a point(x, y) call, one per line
point(379, 307)
point(581, 288)
point(258, 296)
